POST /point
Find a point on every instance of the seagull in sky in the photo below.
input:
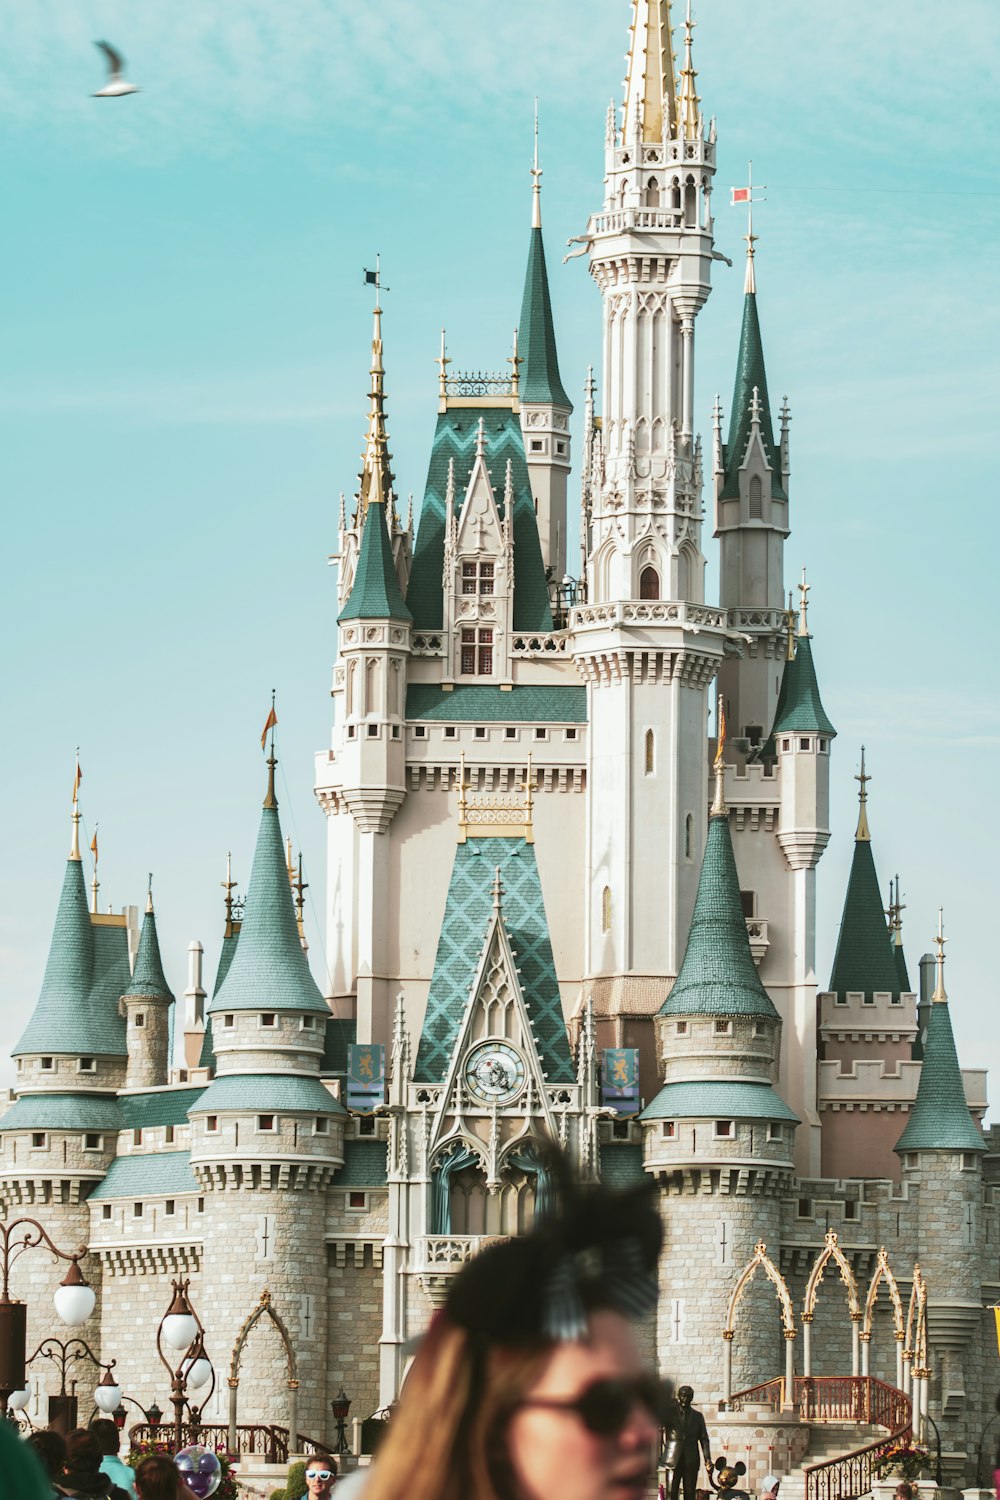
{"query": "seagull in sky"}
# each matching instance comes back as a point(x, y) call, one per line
point(116, 84)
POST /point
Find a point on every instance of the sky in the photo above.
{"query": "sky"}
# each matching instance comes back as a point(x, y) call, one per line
point(185, 342)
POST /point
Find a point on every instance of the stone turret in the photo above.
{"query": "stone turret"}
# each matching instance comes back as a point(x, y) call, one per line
point(717, 1133)
point(146, 1008)
point(267, 1137)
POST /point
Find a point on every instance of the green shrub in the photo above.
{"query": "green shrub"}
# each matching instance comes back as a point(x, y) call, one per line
point(295, 1484)
point(277, 1495)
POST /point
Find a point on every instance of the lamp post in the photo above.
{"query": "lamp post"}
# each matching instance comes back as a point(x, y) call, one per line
point(63, 1408)
point(341, 1406)
point(74, 1299)
point(180, 1329)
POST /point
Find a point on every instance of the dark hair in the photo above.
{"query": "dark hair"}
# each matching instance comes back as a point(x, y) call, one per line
point(326, 1459)
point(107, 1435)
point(50, 1450)
point(83, 1451)
point(156, 1478)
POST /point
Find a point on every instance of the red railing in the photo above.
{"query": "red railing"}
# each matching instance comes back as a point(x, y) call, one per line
point(771, 1394)
point(262, 1441)
point(843, 1478)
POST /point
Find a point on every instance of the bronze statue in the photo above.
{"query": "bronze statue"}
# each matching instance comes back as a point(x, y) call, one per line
point(688, 1435)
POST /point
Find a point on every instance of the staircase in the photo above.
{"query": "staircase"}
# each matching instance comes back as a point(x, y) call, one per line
point(832, 1440)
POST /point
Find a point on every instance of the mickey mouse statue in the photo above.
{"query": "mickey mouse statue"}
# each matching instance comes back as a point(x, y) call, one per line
point(724, 1477)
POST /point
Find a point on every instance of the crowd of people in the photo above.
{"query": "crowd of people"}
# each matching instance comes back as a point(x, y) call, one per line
point(528, 1385)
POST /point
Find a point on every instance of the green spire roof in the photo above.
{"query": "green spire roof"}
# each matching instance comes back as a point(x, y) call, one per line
point(85, 977)
point(718, 976)
point(750, 376)
point(799, 705)
point(268, 970)
point(536, 336)
point(940, 1119)
point(206, 1057)
point(375, 593)
point(902, 973)
point(455, 438)
point(864, 959)
point(466, 917)
point(147, 977)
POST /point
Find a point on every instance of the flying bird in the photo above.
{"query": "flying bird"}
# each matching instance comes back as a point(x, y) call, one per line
point(116, 84)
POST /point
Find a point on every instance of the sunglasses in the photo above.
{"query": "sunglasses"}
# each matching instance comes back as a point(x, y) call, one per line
point(323, 1474)
point(605, 1407)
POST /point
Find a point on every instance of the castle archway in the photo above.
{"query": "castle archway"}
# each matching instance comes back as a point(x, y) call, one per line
point(265, 1309)
point(831, 1251)
point(760, 1261)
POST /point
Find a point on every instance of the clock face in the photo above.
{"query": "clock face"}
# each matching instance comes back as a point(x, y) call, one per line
point(494, 1072)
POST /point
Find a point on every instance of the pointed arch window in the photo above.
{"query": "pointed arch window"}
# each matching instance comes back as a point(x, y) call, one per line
point(649, 583)
point(650, 752)
point(606, 909)
point(652, 193)
point(756, 499)
point(371, 686)
point(689, 836)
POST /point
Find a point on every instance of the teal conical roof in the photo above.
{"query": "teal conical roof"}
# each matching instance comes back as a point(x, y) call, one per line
point(718, 976)
point(940, 1118)
point(902, 973)
point(536, 336)
point(148, 978)
point(864, 958)
point(269, 970)
point(85, 977)
point(799, 705)
point(375, 593)
point(750, 376)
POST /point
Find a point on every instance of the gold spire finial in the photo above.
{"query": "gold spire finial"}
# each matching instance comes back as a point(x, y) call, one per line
point(376, 477)
point(790, 628)
point(690, 111)
point(229, 885)
point(515, 361)
point(863, 835)
point(536, 185)
point(940, 993)
point(719, 800)
point(803, 604)
point(74, 844)
point(650, 89)
point(442, 363)
point(270, 800)
point(95, 884)
point(149, 895)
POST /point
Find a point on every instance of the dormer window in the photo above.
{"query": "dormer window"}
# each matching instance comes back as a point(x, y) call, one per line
point(477, 652)
point(477, 577)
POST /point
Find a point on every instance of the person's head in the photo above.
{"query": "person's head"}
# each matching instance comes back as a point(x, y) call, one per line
point(107, 1435)
point(83, 1453)
point(904, 1491)
point(529, 1384)
point(685, 1395)
point(156, 1478)
point(50, 1450)
point(321, 1474)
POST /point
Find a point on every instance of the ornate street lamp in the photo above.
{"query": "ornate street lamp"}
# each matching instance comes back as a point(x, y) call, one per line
point(180, 1328)
point(341, 1406)
point(63, 1408)
point(74, 1299)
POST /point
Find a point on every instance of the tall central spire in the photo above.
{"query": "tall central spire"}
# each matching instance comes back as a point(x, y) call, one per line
point(376, 476)
point(650, 87)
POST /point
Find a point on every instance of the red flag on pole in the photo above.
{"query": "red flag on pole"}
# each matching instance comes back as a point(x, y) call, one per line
point(740, 195)
point(272, 720)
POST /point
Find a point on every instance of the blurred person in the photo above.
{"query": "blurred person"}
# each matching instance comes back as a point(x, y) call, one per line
point(529, 1384)
point(81, 1475)
point(49, 1448)
point(22, 1471)
point(109, 1439)
point(157, 1478)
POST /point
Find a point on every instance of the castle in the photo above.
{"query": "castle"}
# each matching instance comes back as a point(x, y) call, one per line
point(563, 902)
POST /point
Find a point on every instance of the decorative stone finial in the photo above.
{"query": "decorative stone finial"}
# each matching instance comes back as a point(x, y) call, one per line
point(719, 809)
point(863, 834)
point(940, 994)
point(803, 605)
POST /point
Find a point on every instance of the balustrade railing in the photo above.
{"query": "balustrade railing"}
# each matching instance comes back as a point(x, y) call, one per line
point(260, 1440)
point(771, 1394)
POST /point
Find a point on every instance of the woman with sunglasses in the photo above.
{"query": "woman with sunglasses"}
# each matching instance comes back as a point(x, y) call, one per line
point(321, 1475)
point(529, 1385)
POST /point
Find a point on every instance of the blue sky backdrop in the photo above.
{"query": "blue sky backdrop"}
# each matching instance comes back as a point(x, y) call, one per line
point(182, 394)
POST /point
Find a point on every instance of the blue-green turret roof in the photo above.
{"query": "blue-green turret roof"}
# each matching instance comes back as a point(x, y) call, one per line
point(375, 593)
point(148, 979)
point(864, 961)
point(85, 976)
point(269, 970)
point(455, 439)
point(940, 1118)
point(750, 376)
point(536, 337)
point(718, 976)
point(800, 707)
